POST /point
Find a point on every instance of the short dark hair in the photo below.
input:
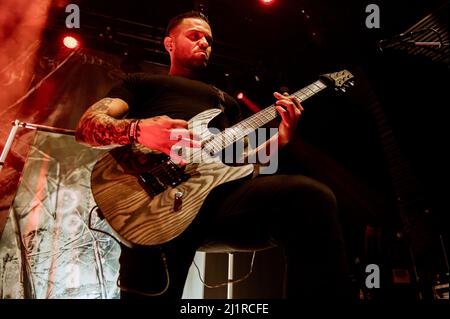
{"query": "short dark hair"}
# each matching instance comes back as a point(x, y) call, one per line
point(175, 21)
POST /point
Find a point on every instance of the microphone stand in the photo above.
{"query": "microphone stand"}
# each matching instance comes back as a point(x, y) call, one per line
point(409, 39)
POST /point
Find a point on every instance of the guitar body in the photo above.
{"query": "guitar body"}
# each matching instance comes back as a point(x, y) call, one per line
point(152, 213)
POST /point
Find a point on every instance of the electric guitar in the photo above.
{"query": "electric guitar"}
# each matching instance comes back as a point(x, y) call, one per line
point(147, 199)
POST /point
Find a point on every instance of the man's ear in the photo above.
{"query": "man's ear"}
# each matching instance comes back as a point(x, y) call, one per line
point(168, 43)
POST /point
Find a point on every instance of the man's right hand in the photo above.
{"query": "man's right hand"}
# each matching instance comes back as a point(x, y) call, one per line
point(164, 134)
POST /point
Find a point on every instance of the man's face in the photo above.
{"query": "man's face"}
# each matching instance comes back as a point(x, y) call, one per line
point(191, 43)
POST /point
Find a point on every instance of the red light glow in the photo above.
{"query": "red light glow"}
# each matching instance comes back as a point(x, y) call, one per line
point(240, 96)
point(70, 42)
point(266, 2)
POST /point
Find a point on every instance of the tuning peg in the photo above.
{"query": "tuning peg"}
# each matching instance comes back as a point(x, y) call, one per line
point(352, 83)
point(343, 89)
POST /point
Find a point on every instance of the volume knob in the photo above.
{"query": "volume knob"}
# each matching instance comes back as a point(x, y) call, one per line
point(177, 201)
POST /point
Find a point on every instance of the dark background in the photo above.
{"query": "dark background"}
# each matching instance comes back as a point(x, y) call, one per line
point(380, 146)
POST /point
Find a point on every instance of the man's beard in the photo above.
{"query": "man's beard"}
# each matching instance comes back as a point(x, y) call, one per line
point(197, 64)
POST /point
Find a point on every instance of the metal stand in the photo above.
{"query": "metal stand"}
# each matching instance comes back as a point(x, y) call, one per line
point(12, 134)
point(230, 276)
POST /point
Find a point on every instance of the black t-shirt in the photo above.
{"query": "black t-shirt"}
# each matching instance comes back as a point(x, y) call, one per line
point(174, 96)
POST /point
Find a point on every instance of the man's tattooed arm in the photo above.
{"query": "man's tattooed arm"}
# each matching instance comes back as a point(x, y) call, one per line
point(102, 125)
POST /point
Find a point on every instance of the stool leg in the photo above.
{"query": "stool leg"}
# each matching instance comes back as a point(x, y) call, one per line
point(230, 276)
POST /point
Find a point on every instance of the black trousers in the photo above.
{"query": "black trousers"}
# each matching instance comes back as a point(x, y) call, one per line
point(294, 211)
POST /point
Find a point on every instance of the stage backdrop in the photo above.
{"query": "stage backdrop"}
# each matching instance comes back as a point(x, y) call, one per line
point(47, 249)
point(59, 256)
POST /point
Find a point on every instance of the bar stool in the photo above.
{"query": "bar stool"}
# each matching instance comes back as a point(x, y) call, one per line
point(230, 250)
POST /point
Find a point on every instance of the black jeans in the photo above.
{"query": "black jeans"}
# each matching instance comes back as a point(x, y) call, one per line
point(294, 211)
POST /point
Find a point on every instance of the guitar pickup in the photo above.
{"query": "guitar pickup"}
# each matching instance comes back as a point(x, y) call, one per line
point(151, 184)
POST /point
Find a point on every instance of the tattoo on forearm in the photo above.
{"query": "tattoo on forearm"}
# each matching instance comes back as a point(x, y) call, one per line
point(97, 128)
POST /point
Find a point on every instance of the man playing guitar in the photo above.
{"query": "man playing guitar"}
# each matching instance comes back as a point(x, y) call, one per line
point(294, 211)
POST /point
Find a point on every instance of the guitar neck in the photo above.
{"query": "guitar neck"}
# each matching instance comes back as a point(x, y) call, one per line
point(257, 120)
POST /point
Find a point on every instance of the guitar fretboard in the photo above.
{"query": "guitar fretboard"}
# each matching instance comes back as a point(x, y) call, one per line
point(257, 120)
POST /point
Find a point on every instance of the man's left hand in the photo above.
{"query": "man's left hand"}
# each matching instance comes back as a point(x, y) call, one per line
point(290, 109)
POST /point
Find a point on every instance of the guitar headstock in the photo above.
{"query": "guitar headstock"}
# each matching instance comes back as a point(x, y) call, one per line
point(340, 80)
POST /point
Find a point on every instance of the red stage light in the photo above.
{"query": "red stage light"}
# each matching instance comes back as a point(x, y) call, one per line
point(70, 42)
point(240, 96)
point(266, 2)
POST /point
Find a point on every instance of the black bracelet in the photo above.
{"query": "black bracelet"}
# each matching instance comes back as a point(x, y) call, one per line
point(133, 131)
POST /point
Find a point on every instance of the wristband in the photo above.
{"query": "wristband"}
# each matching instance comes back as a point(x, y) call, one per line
point(133, 131)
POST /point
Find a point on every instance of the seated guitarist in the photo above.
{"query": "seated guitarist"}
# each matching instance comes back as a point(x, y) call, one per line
point(294, 211)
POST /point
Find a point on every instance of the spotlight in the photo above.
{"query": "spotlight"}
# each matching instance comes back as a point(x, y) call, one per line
point(70, 42)
point(249, 103)
point(266, 2)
